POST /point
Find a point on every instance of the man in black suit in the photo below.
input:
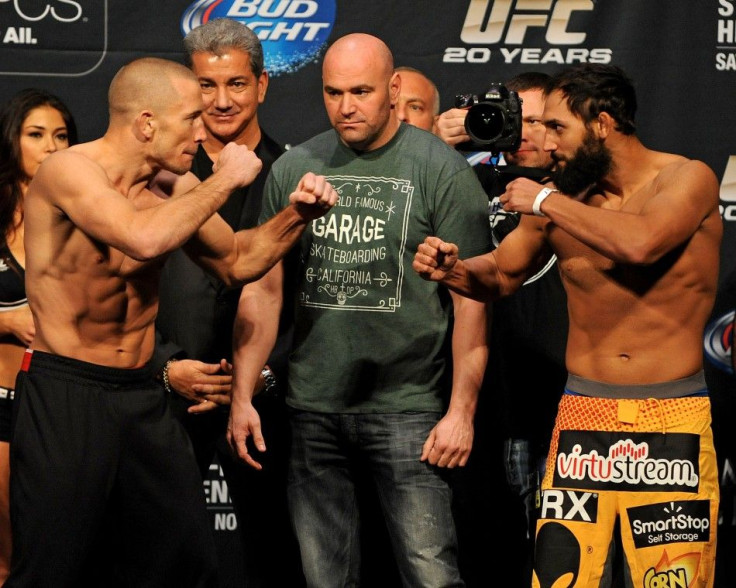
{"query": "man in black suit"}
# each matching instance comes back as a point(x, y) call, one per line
point(197, 311)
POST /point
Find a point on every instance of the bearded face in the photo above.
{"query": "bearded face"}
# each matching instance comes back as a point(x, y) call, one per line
point(587, 166)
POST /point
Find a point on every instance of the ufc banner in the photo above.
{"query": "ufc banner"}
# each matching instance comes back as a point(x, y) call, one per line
point(680, 54)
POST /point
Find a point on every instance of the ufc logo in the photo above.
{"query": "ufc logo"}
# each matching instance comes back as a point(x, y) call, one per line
point(488, 26)
point(728, 183)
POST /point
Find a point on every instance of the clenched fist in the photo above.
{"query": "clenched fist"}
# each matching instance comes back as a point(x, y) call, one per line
point(434, 259)
point(238, 163)
point(313, 196)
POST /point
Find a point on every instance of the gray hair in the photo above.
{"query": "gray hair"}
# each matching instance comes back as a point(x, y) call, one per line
point(220, 34)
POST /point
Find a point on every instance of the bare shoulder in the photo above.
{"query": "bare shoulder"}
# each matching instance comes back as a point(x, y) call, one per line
point(675, 167)
point(69, 168)
point(679, 175)
point(74, 156)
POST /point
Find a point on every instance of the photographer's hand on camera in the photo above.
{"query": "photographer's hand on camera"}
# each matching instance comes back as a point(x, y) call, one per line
point(450, 126)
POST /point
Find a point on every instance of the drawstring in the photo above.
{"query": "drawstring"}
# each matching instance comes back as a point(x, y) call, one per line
point(661, 414)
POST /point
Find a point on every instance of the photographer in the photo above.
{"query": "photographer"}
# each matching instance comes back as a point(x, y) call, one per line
point(529, 331)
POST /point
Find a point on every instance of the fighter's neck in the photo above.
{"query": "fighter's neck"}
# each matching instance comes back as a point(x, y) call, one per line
point(127, 168)
point(632, 167)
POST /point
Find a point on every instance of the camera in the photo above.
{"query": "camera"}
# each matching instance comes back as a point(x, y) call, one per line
point(493, 121)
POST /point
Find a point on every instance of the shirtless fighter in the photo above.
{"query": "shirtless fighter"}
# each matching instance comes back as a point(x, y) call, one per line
point(637, 235)
point(95, 443)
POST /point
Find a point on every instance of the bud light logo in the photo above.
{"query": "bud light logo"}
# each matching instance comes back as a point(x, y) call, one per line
point(293, 32)
point(718, 341)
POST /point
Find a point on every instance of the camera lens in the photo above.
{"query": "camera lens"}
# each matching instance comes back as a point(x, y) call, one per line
point(485, 122)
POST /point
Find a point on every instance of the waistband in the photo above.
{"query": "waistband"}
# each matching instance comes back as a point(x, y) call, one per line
point(37, 361)
point(6, 393)
point(691, 386)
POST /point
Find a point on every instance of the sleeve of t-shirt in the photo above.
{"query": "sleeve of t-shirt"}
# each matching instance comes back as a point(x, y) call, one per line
point(461, 212)
point(276, 190)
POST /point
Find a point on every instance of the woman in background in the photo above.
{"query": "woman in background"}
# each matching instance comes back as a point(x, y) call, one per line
point(33, 124)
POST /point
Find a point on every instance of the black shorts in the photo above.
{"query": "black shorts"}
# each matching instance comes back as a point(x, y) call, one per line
point(6, 413)
point(97, 458)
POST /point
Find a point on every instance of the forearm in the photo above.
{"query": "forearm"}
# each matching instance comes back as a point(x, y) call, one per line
point(17, 323)
point(475, 278)
point(6, 324)
point(450, 442)
point(163, 351)
point(469, 354)
point(254, 335)
point(169, 226)
point(618, 235)
point(261, 248)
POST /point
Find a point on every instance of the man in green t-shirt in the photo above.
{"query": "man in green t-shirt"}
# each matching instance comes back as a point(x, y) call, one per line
point(368, 369)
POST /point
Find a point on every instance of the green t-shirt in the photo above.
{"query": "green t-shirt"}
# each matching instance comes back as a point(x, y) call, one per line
point(369, 332)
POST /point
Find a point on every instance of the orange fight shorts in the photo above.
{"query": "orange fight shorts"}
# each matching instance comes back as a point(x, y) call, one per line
point(635, 458)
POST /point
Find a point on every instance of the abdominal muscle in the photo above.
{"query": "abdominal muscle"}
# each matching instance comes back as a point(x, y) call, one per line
point(636, 339)
point(106, 320)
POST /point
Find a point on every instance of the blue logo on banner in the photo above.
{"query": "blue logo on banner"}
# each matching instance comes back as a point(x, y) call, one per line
point(718, 342)
point(293, 32)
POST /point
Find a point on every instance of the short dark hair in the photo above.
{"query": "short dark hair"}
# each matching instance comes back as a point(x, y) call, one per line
point(220, 34)
point(529, 80)
point(12, 174)
point(592, 88)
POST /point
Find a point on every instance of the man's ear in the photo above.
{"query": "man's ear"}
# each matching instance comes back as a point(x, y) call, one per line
point(604, 125)
point(394, 88)
point(144, 126)
point(262, 86)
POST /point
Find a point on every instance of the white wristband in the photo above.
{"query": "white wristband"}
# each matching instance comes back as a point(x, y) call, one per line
point(543, 193)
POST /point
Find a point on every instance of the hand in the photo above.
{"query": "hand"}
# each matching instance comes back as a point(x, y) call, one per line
point(244, 422)
point(434, 259)
point(19, 323)
point(519, 195)
point(449, 442)
point(313, 196)
point(238, 163)
point(208, 385)
point(450, 126)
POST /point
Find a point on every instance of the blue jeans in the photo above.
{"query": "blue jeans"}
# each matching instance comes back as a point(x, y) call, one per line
point(525, 465)
point(414, 497)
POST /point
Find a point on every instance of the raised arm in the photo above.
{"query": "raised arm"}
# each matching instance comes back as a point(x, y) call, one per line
point(685, 194)
point(492, 275)
point(142, 228)
point(248, 254)
point(254, 335)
